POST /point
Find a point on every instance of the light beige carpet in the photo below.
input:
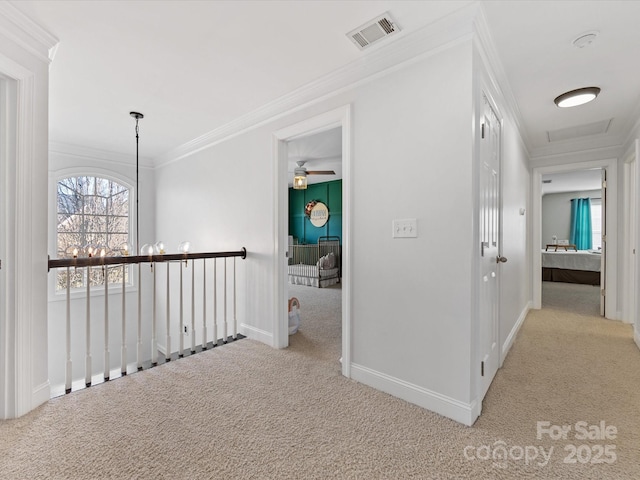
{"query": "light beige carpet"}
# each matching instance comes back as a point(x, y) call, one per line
point(571, 297)
point(247, 411)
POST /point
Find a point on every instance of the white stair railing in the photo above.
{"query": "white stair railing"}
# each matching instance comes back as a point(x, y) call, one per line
point(148, 306)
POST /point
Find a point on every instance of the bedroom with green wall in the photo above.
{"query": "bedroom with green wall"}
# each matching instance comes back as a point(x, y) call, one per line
point(300, 227)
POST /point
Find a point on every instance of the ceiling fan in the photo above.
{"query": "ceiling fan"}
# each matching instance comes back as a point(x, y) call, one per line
point(300, 175)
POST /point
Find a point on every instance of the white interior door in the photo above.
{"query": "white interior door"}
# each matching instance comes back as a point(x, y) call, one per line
point(490, 252)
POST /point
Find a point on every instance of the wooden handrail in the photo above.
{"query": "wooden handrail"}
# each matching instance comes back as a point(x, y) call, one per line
point(100, 261)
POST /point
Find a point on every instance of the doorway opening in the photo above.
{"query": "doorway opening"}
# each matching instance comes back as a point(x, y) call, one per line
point(288, 143)
point(314, 243)
point(561, 270)
point(573, 227)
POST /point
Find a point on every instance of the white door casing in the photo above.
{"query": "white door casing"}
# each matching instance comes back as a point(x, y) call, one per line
point(630, 242)
point(635, 239)
point(490, 251)
point(340, 117)
point(611, 215)
point(603, 259)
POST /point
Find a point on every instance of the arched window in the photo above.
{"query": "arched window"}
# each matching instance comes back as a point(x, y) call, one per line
point(92, 215)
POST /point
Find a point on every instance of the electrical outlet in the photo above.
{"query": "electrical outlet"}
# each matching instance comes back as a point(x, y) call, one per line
point(186, 330)
point(406, 228)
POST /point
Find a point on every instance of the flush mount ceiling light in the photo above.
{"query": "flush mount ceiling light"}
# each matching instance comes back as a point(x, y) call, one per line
point(577, 97)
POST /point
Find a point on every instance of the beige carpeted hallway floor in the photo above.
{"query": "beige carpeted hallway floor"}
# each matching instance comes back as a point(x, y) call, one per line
point(248, 411)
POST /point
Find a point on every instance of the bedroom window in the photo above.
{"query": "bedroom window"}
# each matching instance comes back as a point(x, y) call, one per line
point(92, 213)
point(596, 223)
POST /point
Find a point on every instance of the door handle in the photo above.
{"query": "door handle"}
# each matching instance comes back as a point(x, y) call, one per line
point(500, 259)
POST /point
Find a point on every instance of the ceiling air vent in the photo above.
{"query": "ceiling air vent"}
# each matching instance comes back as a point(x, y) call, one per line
point(372, 31)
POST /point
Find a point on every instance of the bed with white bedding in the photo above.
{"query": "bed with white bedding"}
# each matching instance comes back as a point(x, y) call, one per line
point(582, 266)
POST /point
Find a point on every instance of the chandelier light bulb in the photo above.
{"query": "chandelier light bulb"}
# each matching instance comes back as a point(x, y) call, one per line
point(158, 248)
point(126, 249)
point(146, 249)
point(184, 247)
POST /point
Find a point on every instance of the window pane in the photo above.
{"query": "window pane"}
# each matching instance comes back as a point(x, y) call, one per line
point(92, 211)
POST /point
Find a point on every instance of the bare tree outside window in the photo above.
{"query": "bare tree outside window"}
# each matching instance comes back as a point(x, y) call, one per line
point(92, 213)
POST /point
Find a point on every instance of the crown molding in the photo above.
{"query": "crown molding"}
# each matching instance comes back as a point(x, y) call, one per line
point(447, 31)
point(19, 28)
point(489, 54)
point(97, 154)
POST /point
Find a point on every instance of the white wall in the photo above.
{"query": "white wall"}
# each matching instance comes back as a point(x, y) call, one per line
point(411, 297)
point(515, 295)
point(630, 255)
point(68, 160)
point(556, 213)
point(23, 369)
point(416, 291)
point(412, 310)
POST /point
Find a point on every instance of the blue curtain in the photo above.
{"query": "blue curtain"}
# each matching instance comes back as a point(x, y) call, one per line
point(581, 233)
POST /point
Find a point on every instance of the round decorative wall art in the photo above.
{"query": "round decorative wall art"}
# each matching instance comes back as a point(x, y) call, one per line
point(317, 212)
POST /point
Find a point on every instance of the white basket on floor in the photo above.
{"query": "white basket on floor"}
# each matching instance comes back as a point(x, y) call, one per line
point(294, 315)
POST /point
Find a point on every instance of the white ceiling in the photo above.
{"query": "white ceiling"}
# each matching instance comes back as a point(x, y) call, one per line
point(321, 151)
point(194, 66)
point(577, 181)
point(534, 41)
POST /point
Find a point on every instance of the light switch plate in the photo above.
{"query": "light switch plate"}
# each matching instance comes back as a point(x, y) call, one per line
point(405, 228)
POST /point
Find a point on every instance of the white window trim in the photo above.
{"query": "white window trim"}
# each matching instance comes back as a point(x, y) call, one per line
point(596, 201)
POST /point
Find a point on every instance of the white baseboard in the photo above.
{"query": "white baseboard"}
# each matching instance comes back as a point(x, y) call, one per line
point(41, 394)
point(465, 413)
point(508, 343)
point(254, 333)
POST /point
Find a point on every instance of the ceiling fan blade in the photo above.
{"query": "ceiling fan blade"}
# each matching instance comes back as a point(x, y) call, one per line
point(320, 172)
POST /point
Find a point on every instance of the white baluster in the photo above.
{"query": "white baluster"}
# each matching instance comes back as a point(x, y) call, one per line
point(87, 362)
point(204, 303)
point(106, 324)
point(154, 322)
point(235, 321)
point(224, 330)
point(168, 342)
point(193, 306)
point(181, 316)
point(68, 375)
point(215, 302)
point(123, 347)
point(139, 316)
